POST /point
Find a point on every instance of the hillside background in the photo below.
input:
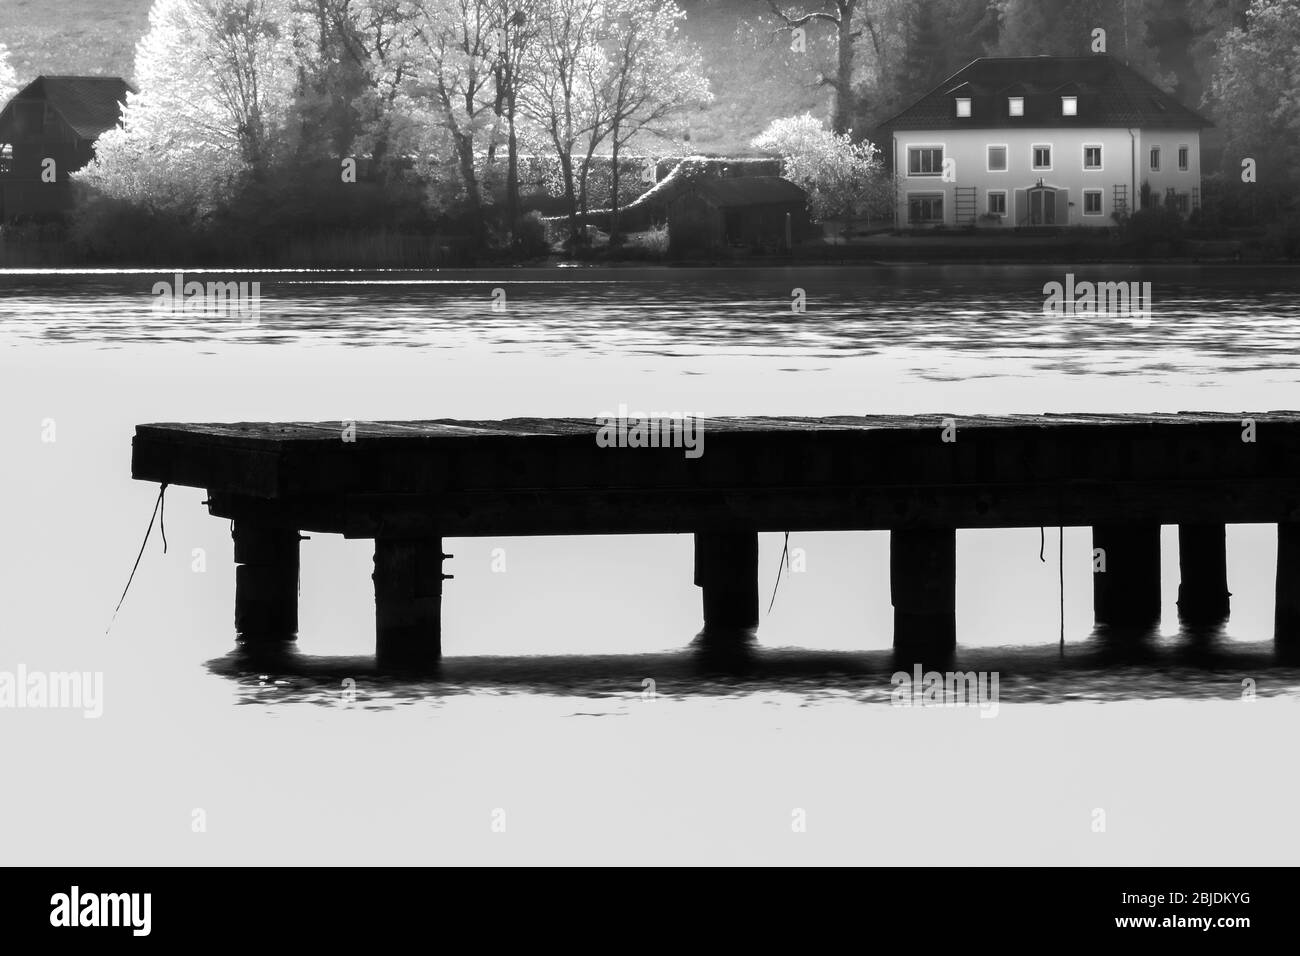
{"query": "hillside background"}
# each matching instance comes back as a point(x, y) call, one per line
point(72, 36)
point(753, 74)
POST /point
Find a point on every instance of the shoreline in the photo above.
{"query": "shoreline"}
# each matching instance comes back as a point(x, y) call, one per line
point(557, 265)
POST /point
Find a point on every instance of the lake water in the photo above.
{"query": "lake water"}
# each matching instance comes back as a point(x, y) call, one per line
point(542, 717)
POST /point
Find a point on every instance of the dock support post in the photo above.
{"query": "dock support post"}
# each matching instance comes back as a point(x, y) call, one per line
point(726, 569)
point(923, 590)
point(266, 582)
point(1286, 617)
point(1203, 573)
point(408, 600)
point(1126, 574)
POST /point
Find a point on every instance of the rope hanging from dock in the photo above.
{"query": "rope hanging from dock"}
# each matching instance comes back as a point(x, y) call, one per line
point(158, 511)
point(783, 560)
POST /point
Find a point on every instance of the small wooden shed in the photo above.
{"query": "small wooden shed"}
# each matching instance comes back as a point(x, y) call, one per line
point(53, 118)
point(758, 213)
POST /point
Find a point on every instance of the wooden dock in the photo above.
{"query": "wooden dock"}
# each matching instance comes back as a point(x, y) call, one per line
point(408, 485)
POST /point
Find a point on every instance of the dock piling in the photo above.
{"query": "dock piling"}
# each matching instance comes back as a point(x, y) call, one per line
point(923, 590)
point(726, 570)
point(266, 582)
point(1127, 592)
point(1286, 618)
point(408, 600)
point(1203, 596)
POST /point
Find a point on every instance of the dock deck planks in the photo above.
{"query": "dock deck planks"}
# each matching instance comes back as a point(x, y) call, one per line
point(548, 476)
point(410, 484)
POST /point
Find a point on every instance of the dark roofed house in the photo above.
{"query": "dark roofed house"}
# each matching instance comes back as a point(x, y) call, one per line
point(55, 118)
point(1042, 141)
point(757, 213)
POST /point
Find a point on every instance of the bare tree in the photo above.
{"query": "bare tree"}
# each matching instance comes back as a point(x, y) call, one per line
point(519, 27)
point(563, 76)
point(843, 16)
point(653, 76)
point(454, 71)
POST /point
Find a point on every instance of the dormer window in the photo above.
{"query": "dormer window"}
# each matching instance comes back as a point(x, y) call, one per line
point(963, 106)
point(1069, 106)
point(1015, 105)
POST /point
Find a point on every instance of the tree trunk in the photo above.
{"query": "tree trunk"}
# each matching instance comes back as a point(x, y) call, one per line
point(583, 174)
point(613, 190)
point(465, 153)
point(512, 171)
point(842, 118)
point(379, 158)
point(252, 134)
point(570, 194)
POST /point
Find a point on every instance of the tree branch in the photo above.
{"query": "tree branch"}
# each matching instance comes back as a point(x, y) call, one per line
point(802, 19)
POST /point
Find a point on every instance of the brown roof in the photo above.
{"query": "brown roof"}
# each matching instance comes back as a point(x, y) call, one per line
point(89, 104)
point(1109, 93)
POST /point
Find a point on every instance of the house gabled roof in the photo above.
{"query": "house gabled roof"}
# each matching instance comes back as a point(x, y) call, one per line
point(1109, 93)
point(88, 104)
point(748, 190)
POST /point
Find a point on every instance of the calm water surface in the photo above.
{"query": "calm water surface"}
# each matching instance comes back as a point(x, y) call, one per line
point(565, 632)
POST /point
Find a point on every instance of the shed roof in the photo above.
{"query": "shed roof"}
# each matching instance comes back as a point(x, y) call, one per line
point(748, 190)
point(89, 104)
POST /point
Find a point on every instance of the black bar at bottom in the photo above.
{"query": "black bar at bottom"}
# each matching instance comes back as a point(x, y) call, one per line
point(303, 906)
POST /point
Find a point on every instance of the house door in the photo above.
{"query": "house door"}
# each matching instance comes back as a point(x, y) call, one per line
point(731, 227)
point(1042, 207)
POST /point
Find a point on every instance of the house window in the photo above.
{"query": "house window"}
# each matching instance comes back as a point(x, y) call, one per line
point(6, 159)
point(1092, 157)
point(1069, 106)
point(1155, 158)
point(925, 208)
point(1015, 106)
point(997, 202)
point(1092, 202)
point(1042, 157)
point(924, 160)
point(1183, 156)
point(1182, 203)
point(963, 106)
point(997, 159)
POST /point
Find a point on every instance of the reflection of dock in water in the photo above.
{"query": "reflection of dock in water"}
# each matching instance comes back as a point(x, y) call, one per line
point(408, 485)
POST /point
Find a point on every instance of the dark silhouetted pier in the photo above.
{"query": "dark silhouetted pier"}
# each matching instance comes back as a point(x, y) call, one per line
point(410, 485)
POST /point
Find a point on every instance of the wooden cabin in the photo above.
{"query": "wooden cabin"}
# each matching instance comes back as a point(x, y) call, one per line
point(55, 118)
point(758, 213)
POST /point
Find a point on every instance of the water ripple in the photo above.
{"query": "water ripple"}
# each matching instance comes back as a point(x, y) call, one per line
point(1219, 319)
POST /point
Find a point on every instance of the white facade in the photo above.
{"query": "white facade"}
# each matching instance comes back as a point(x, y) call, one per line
point(1076, 176)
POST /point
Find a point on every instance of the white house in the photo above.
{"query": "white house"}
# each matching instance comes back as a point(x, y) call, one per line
point(1042, 141)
